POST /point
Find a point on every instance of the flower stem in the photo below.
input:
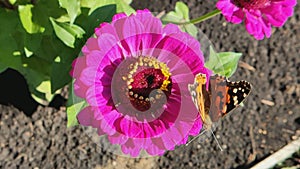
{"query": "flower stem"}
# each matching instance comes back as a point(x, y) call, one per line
point(204, 17)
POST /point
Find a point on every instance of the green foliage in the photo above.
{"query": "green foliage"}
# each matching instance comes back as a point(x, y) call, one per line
point(224, 63)
point(75, 105)
point(41, 93)
point(10, 56)
point(122, 5)
point(182, 10)
point(89, 22)
point(41, 39)
point(12, 1)
point(26, 19)
point(72, 7)
point(72, 112)
point(181, 17)
point(66, 32)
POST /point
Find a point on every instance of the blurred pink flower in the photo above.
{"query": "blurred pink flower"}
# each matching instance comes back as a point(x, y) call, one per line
point(259, 15)
point(134, 75)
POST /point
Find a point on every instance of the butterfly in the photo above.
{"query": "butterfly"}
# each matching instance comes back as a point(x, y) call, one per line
point(220, 99)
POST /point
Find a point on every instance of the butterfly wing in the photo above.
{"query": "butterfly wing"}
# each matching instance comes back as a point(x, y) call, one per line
point(218, 90)
point(201, 97)
point(226, 96)
point(192, 89)
point(236, 94)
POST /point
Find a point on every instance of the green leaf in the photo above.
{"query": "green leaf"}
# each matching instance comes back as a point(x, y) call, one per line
point(214, 59)
point(3, 67)
point(191, 29)
point(72, 7)
point(35, 70)
point(128, 1)
point(61, 66)
point(75, 30)
point(230, 62)
point(45, 9)
point(22, 2)
point(10, 19)
point(28, 53)
point(32, 42)
point(94, 4)
point(44, 88)
point(57, 59)
point(39, 97)
point(60, 75)
point(123, 6)
point(74, 106)
point(34, 79)
point(63, 18)
point(171, 17)
point(12, 1)
point(102, 14)
point(72, 112)
point(224, 63)
point(180, 16)
point(66, 37)
point(9, 54)
point(25, 15)
point(66, 32)
point(50, 48)
point(183, 10)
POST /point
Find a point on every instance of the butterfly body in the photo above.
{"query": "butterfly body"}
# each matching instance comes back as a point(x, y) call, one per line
point(221, 97)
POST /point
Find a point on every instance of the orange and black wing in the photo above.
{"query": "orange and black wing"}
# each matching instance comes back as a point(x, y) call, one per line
point(236, 94)
point(201, 97)
point(217, 90)
point(226, 95)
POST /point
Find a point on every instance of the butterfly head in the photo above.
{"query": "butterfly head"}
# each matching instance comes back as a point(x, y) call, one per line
point(200, 79)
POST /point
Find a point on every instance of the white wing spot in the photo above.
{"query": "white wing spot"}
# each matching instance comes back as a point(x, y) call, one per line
point(236, 102)
point(235, 99)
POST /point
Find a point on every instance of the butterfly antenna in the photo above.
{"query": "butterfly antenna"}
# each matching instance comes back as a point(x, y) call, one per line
point(216, 139)
point(194, 138)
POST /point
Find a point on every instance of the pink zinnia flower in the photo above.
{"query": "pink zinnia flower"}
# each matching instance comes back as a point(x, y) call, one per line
point(134, 74)
point(259, 15)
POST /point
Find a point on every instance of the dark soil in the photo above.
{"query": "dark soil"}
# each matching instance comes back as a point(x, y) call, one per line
point(248, 135)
